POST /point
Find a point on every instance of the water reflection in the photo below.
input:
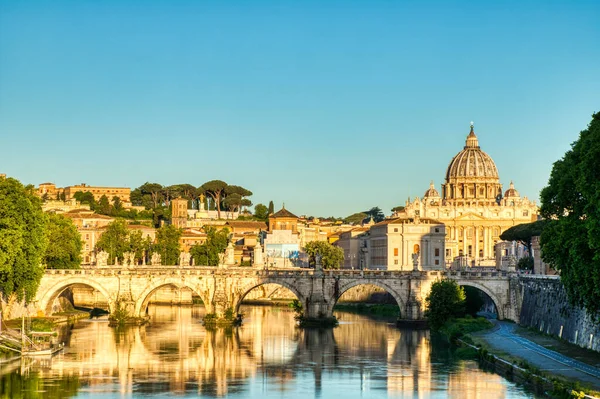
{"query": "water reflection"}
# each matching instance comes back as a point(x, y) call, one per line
point(266, 357)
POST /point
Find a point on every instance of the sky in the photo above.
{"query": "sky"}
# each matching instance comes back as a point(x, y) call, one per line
point(331, 107)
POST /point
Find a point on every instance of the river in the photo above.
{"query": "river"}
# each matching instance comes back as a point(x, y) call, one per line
point(267, 357)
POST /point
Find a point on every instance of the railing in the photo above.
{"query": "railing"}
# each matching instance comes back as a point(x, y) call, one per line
point(276, 272)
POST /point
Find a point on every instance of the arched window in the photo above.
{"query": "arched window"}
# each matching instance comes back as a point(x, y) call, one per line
point(416, 249)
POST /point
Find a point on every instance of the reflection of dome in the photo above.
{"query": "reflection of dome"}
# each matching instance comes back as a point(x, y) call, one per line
point(511, 192)
point(431, 192)
point(471, 161)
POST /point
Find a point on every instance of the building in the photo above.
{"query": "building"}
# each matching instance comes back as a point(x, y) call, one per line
point(179, 212)
point(91, 226)
point(472, 206)
point(282, 242)
point(352, 242)
point(124, 193)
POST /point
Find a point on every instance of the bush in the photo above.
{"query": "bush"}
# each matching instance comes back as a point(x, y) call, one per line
point(445, 301)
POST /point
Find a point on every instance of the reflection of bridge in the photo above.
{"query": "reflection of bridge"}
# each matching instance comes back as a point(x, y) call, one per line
point(318, 291)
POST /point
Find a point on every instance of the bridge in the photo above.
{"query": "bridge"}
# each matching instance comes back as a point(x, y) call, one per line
point(222, 288)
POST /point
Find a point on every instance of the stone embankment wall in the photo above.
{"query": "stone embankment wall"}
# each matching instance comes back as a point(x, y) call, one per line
point(546, 308)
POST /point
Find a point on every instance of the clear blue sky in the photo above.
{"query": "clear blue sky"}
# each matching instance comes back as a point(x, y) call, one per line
point(329, 106)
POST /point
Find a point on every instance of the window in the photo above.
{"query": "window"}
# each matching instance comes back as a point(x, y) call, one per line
point(437, 230)
point(437, 261)
point(395, 251)
point(395, 229)
point(416, 249)
point(396, 262)
point(437, 252)
point(525, 213)
point(448, 253)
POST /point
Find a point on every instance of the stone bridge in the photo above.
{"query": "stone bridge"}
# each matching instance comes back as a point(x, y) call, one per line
point(221, 288)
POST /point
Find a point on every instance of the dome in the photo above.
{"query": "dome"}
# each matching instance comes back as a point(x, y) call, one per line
point(431, 192)
point(472, 162)
point(511, 192)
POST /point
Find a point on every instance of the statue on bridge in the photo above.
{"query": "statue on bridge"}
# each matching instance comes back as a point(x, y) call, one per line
point(155, 260)
point(129, 259)
point(102, 258)
point(184, 259)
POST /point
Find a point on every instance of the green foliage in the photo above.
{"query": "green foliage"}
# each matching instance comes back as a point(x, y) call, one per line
point(376, 214)
point(261, 212)
point(473, 300)
point(331, 256)
point(445, 301)
point(296, 306)
point(271, 208)
point(398, 208)
point(42, 325)
point(525, 263)
point(23, 239)
point(458, 328)
point(64, 243)
point(103, 207)
point(215, 189)
point(117, 204)
point(571, 202)
point(355, 218)
point(85, 198)
point(115, 240)
point(167, 244)
point(524, 232)
point(208, 253)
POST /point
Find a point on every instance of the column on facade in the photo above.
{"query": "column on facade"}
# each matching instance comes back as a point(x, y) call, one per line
point(465, 253)
point(476, 246)
point(485, 243)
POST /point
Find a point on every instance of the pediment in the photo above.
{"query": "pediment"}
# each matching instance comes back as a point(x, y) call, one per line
point(470, 216)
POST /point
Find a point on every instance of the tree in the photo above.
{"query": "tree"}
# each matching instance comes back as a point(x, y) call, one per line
point(570, 242)
point(523, 233)
point(445, 301)
point(85, 198)
point(215, 245)
point(261, 212)
point(64, 243)
point(355, 218)
point(117, 204)
point(376, 214)
point(114, 241)
point(398, 208)
point(331, 256)
point(104, 207)
point(214, 188)
point(149, 195)
point(271, 208)
point(23, 241)
point(167, 244)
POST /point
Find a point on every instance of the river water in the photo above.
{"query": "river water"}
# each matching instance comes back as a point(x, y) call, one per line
point(267, 357)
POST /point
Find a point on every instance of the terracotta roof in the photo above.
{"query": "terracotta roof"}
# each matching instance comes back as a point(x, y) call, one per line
point(248, 224)
point(283, 213)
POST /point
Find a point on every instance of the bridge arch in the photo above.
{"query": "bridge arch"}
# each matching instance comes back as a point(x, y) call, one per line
point(487, 291)
point(49, 296)
point(343, 288)
point(144, 298)
point(237, 301)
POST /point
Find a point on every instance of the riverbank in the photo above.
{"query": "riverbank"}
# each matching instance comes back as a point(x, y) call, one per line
point(546, 371)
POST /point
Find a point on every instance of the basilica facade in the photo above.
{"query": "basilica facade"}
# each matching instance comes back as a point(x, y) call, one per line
point(473, 207)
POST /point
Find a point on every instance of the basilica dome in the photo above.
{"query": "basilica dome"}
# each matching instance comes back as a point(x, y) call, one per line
point(471, 162)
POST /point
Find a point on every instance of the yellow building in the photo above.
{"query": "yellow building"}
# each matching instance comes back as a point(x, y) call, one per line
point(122, 192)
point(179, 213)
point(472, 206)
